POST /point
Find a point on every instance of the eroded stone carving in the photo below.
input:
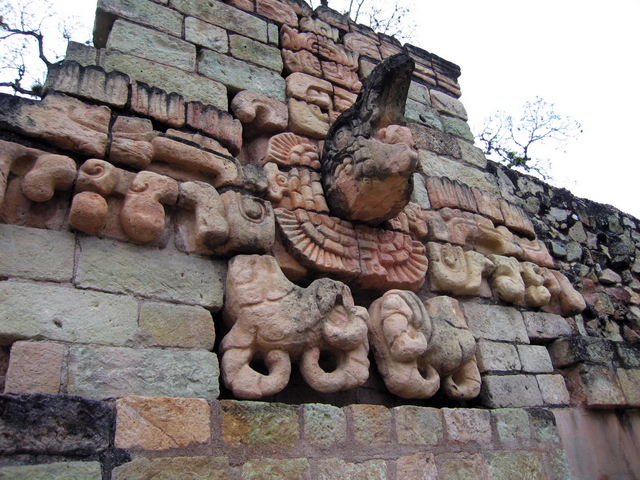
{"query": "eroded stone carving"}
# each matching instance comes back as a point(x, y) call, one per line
point(48, 174)
point(307, 119)
point(301, 61)
point(368, 159)
point(456, 271)
point(287, 149)
point(277, 322)
point(131, 142)
point(259, 113)
point(418, 348)
point(310, 89)
point(291, 39)
point(296, 188)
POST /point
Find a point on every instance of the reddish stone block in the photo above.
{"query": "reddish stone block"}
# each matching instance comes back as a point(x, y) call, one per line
point(292, 39)
point(434, 140)
point(447, 193)
point(420, 466)
point(301, 61)
point(371, 424)
point(362, 44)
point(517, 219)
point(246, 5)
point(34, 367)
point(219, 124)
point(342, 75)
point(280, 12)
point(153, 102)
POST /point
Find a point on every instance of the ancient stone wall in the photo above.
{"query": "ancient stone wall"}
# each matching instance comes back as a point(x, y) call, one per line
point(225, 202)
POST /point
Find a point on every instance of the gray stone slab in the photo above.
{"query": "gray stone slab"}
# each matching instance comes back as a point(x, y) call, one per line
point(535, 359)
point(125, 268)
point(107, 372)
point(206, 34)
point(144, 12)
point(244, 48)
point(497, 356)
point(494, 322)
point(225, 16)
point(542, 326)
point(54, 471)
point(37, 312)
point(193, 87)
point(438, 166)
point(456, 126)
point(132, 39)
point(423, 114)
point(510, 391)
point(36, 253)
point(238, 75)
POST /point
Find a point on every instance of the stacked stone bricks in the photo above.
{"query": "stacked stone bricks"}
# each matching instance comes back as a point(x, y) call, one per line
point(125, 191)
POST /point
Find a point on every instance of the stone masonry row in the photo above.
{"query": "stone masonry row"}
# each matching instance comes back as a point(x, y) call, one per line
point(137, 437)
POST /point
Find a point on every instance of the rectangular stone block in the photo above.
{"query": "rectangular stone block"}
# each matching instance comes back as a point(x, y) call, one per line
point(324, 425)
point(510, 391)
point(457, 127)
point(544, 327)
point(132, 39)
point(191, 86)
point(467, 425)
point(173, 467)
point(89, 82)
point(52, 312)
point(444, 103)
point(595, 386)
point(81, 53)
point(49, 471)
point(153, 102)
point(149, 272)
point(278, 11)
point(571, 350)
point(261, 468)
point(238, 75)
point(461, 466)
point(338, 469)
point(54, 425)
point(205, 34)
point(169, 325)
point(161, 423)
point(106, 372)
point(35, 367)
point(512, 425)
point(371, 424)
point(36, 253)
point(554, 390)
point(439, 166)
point(422, 114)
point(259, 424)
point(226, 17)
point(515, 465)
point(494, 322)
point(535, 359)
point(497, 357)
point(417, 425)
point(419, 466)
point(244, 48)
point(144, 12)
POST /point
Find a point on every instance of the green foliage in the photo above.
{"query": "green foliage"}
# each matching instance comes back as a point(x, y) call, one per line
point(511, 141)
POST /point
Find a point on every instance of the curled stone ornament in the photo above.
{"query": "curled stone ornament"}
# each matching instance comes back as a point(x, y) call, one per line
point(274, 321)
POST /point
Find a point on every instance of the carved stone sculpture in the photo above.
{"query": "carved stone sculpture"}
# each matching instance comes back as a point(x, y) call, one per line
point(277, 322)
point(368, 159)
point(419, 348)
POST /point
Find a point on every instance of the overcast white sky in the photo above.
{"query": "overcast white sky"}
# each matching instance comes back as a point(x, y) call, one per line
point(583, 56)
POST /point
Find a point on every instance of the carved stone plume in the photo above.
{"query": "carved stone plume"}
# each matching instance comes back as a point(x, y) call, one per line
point(369, 159)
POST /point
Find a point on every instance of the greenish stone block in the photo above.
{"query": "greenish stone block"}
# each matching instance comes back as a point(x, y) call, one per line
point(298, 468)
point(54, 471)
point(512, 424)
point(456, 126)
point(205, 468)
point(515, 465)
point(144, 12)
point(324, 425)
point(423, 114)
point(244, 48)
point(259, 424)
point(417, 425)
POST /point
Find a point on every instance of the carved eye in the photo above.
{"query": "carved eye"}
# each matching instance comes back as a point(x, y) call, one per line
point(252, 208)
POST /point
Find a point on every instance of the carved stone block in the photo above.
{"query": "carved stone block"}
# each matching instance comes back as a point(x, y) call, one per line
point(343, 99)
point(274, 321)
point(410, 221)
point(329, 50)
point(153, 102)
point(219, 124)
point(448, 193)
point(287, 149)
point(296, 188)
point(506, 281)
point(131, 142)
point(301, 61)
point(292, 39)
point(315, 25)
point(260, 114)
point(356, 42)
point(307, 119)
point(453, 270)
point(310, 89)
point(417, 348)
point(342, 75)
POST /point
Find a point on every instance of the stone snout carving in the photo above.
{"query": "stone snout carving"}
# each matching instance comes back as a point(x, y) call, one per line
point(421, 347)
point(274, 321)
point(368, 158)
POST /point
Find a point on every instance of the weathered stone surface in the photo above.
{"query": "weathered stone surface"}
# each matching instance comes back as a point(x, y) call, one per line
point(338, 469)
point(467, 425)
point(124, 268)
point(310, 89)
point(35, 367)
point(324, 425)
point(209, 468)
point(444, 103)
point(596, 386)
point(425, 116)
point(497, 356)
point(54, 425)
point(144, 12)
point(456, 126)
point(226, 17)
point(88, 82)
point(419, 466)
point(169, 325)
point(37, 311)
point(258, 424)
point(495, 322)
point(553, 389)
point(133, 39)
point(418, 425)
point(153, 102)
point(36, 253)
point(434, 140)
point(260, 114)
point(543, 326)
point(77, 127)
point(81, 53)
point(512, 425)
point(534, 359)
point(439, 166)
point(258, 469)
point(52, 471)
point(511, 391)
point(131, 142)
point(277, 322)
point(244, 48)
point(193, 87)
point(161, 423)
point(301, 61)
point(105, 372)
point(278, 11)
point(568, 351)
point(371, 424)
point(462, 466)
point(238, 75)
point(217, 123)
point(307, 119)
point(205, 34)
point(420, 346)
point(515, 465)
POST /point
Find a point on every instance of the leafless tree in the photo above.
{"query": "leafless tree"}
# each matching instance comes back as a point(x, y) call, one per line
point(25, 55)
point(390, 17)
point(511, 141)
